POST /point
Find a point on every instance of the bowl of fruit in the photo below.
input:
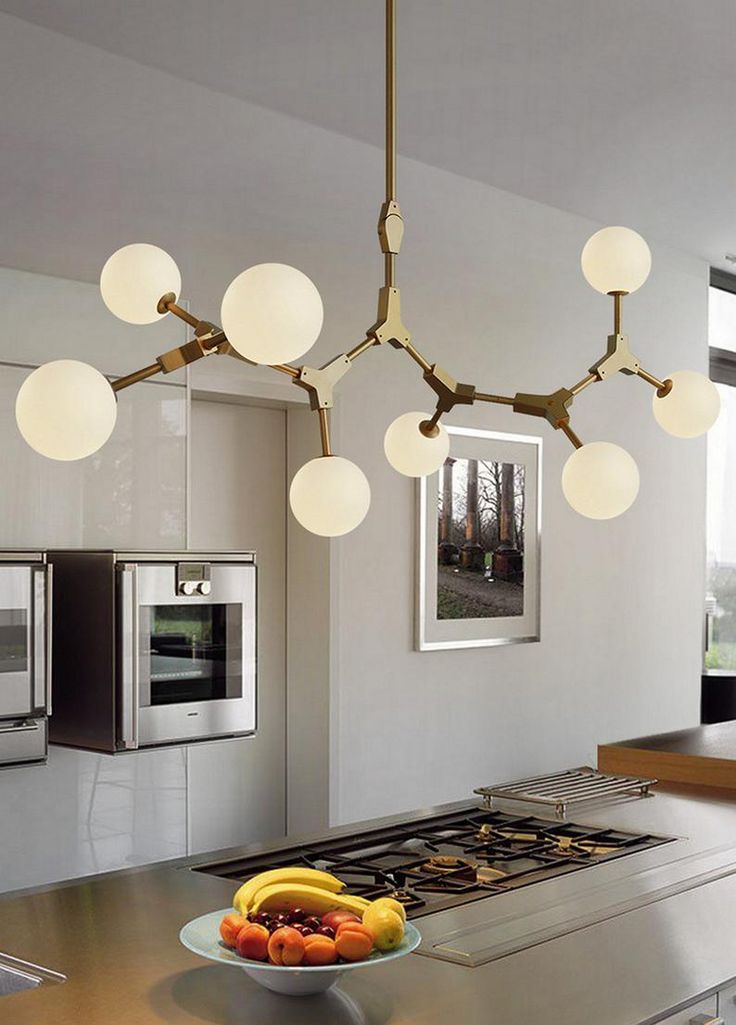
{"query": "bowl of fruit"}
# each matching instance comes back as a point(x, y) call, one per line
point(295, 931)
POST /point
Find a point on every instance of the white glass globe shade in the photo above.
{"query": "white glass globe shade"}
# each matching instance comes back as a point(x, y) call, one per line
point(691, 407)
point(411, 452)
point(66, 409)
point(600, 480)
point(330, 496)
point(135, 278)
point(272, 313)
point(616, 260)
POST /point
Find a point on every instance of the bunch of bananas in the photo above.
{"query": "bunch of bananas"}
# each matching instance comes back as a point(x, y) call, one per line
point(283, 889)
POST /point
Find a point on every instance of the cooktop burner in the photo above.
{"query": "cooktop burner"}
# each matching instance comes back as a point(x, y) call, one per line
point(441, 862)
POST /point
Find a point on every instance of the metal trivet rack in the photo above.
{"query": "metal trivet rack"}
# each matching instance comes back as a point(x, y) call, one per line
point(561, 789)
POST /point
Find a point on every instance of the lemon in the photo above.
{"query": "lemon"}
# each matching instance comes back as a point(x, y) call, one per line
point(386, 925)
point(394, 905)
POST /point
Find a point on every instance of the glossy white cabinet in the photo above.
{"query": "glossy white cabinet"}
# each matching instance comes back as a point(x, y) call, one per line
point(84, 813)
point(54, 318)
point(132, 493)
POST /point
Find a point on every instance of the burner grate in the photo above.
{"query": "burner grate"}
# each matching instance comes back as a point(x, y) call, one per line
point(453, 859)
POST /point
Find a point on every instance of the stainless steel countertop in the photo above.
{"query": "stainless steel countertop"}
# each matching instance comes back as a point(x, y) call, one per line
point(115, 938)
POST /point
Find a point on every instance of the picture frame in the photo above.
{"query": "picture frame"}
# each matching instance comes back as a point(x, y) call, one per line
point(478, 585)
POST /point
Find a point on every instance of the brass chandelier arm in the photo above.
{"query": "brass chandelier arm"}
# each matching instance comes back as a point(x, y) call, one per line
point(617, 310)
point(167, 304)
point(361, 347)
point(225, 348)
point(501, 400)
point(418, 358)
point(583, 384)
point(429, 428)
point(663, 387)
point(324, 432)
point(135, 377)
point(284, 368)
point(566, 429)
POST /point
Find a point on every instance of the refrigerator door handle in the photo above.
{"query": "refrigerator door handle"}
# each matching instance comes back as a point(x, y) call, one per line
point(129, 674)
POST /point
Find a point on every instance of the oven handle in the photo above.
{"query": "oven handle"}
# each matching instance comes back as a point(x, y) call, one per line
point(25, 727)
point(129, 656)
point(42, 592)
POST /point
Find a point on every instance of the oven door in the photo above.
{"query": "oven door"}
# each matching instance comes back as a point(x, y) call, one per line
point(188, 659)
point(23, 640)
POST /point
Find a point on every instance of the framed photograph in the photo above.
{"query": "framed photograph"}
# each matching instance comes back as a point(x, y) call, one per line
point(479, 543)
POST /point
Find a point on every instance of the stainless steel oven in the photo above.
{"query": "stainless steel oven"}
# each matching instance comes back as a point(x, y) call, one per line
point(25, 652)
point(153, 648)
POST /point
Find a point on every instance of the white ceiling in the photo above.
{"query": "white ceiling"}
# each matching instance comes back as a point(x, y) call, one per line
point(620, 110)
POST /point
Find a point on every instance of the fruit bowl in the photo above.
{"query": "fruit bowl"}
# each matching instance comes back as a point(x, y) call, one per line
point(202, 936)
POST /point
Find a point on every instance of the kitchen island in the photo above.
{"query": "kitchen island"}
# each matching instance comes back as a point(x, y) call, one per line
point(114, 937)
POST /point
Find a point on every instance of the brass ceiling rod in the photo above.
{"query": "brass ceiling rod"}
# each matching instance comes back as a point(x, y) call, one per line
point(391, 205)
point(390, 100)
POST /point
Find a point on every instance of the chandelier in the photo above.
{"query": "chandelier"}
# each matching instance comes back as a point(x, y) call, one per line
point(272, 314)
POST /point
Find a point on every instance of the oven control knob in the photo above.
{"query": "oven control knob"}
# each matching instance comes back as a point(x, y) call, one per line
point(204, 587)
point(188, 587)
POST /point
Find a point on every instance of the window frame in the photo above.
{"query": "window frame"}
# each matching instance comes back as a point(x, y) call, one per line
point(722, 370)
point(722, 362)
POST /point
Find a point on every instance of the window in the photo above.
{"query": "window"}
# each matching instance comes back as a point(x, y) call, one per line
point(192, 652)
point(721, 524)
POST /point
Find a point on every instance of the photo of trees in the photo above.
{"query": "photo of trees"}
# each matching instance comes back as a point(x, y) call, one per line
point(480, 551)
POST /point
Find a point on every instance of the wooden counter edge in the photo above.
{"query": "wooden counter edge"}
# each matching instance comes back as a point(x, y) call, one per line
point(667, 766)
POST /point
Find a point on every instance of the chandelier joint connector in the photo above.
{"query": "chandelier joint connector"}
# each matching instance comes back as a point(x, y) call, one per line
point(619, 357)
point(449, 392)
point(183, 355)
point(390, 227)
point(553, 407)
point(319, 384)
point(389, 326)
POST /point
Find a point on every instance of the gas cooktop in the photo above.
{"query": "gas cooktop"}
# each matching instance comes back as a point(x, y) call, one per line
point(445, 861)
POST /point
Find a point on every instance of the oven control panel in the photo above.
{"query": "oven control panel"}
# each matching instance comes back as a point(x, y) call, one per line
point(193, 578)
